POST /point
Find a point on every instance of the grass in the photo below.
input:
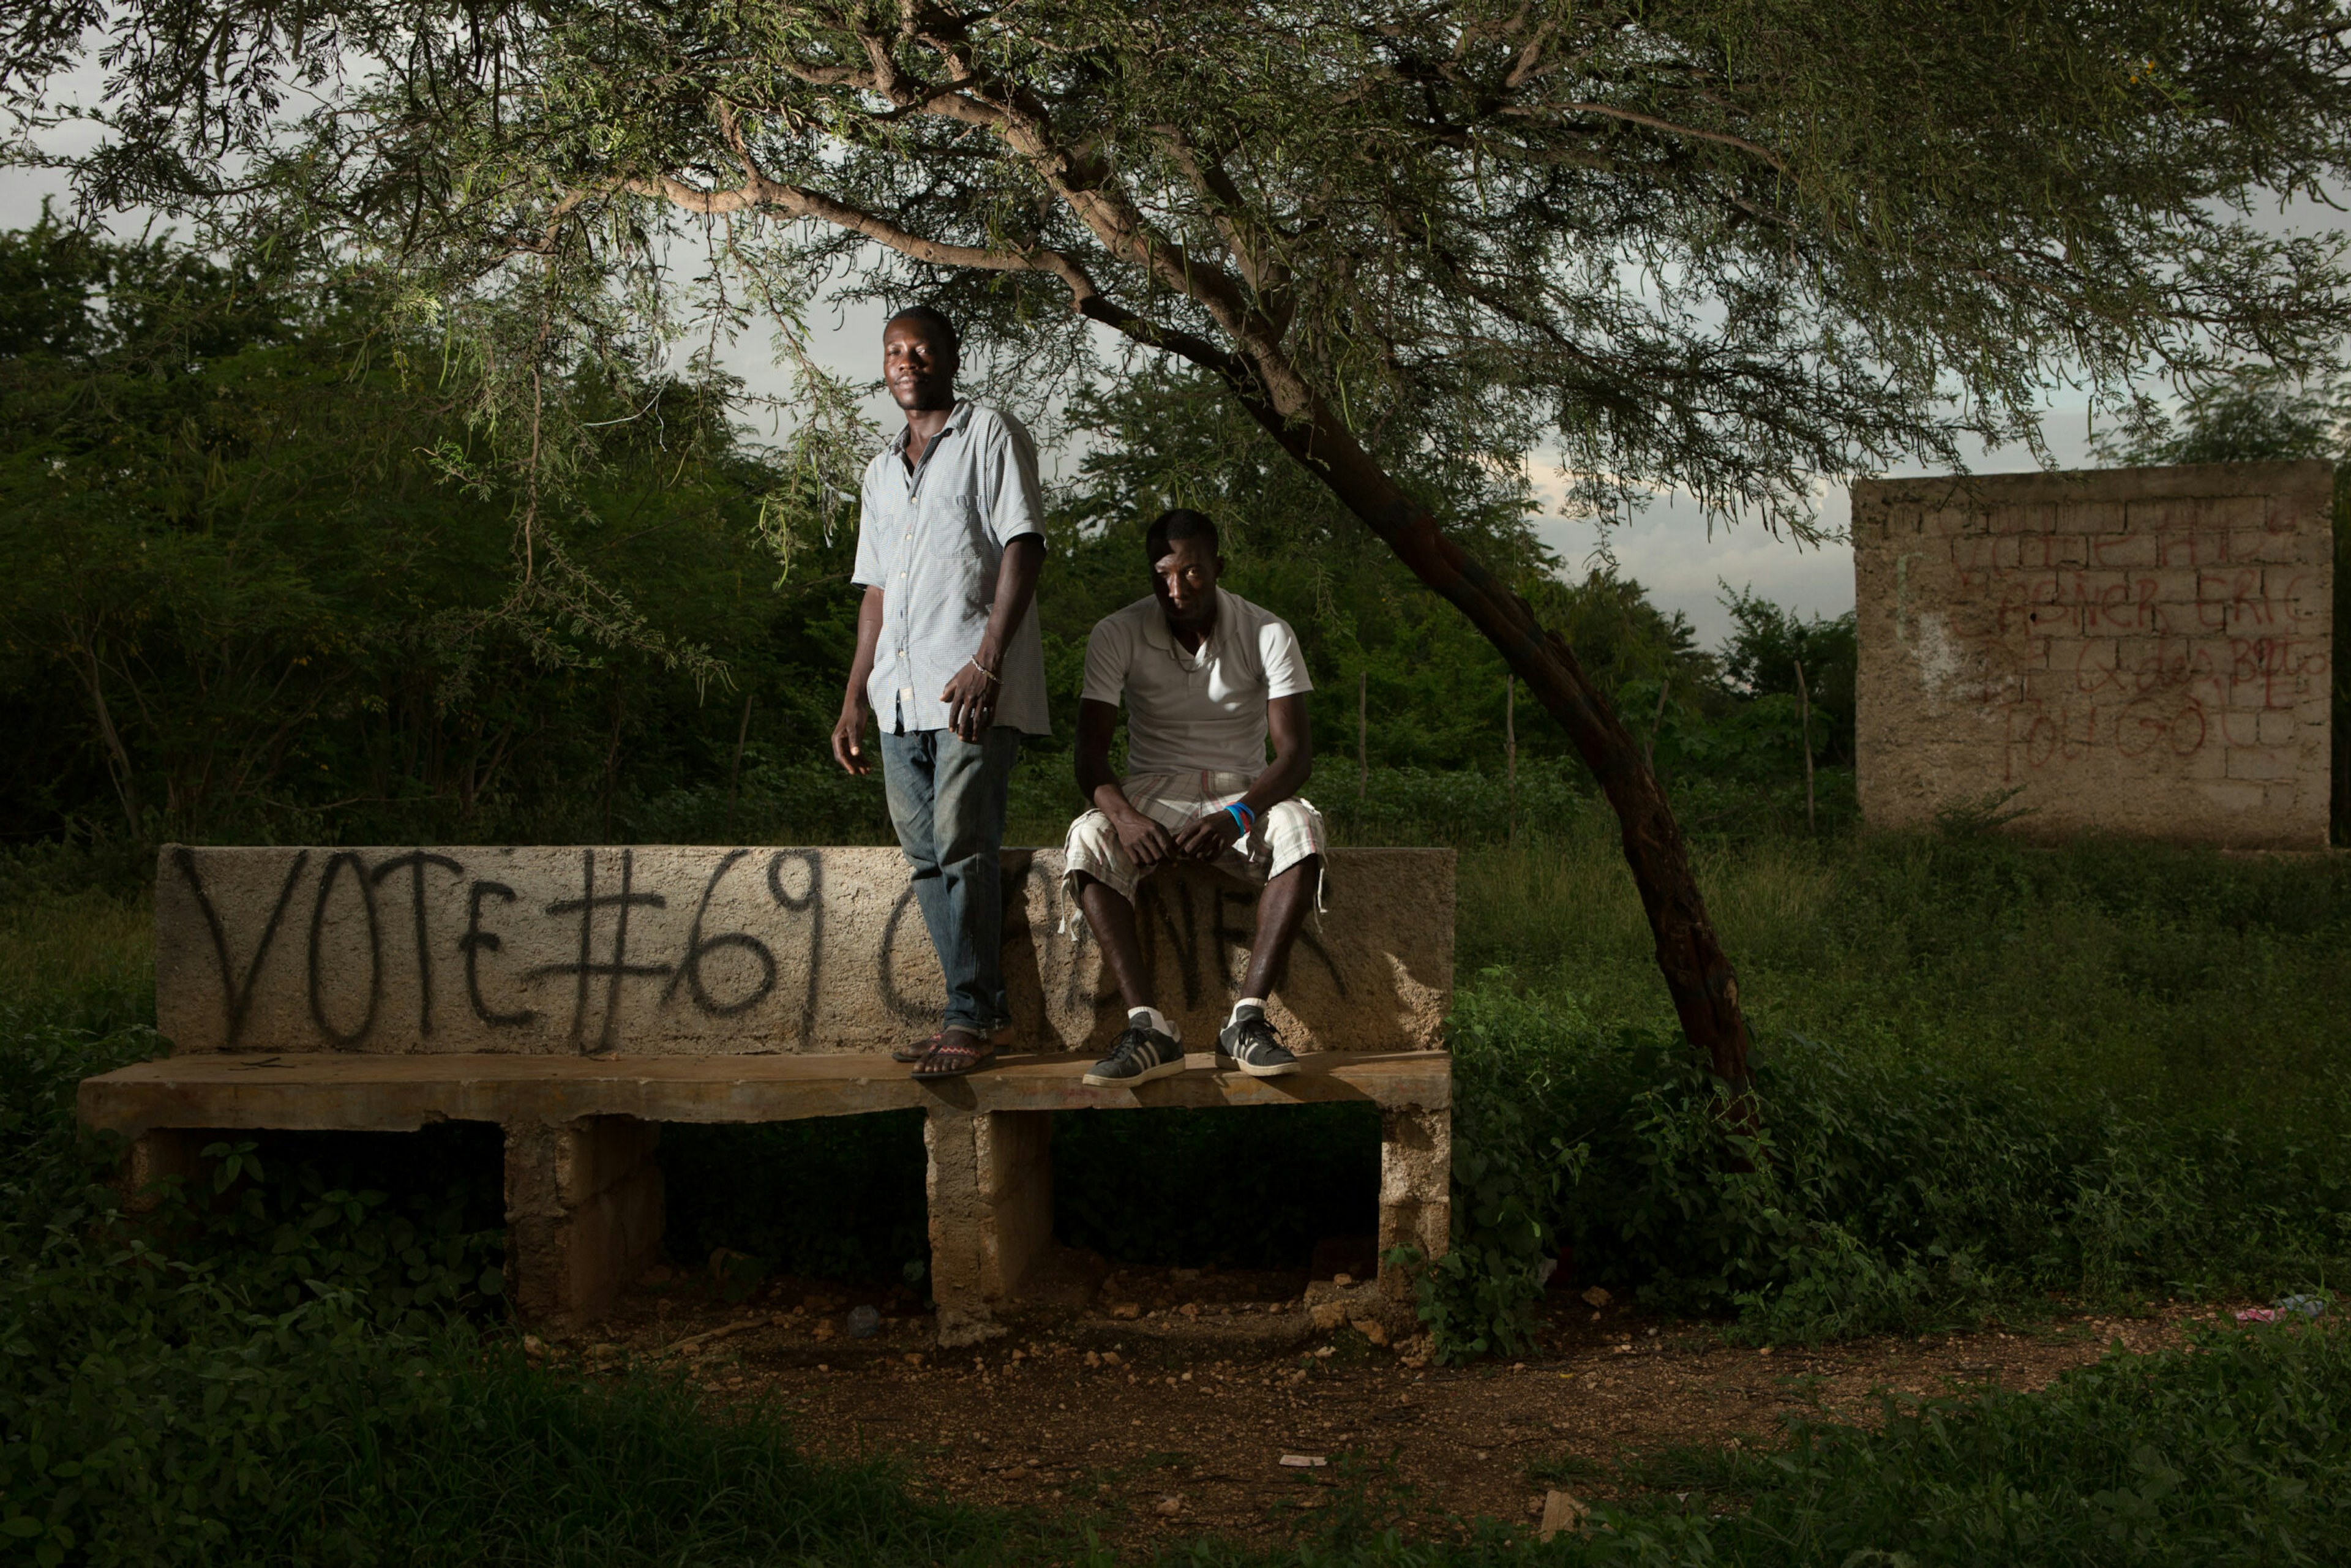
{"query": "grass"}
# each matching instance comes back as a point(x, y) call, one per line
point(2197, 984)
point(83, 959)
point(1989, 1072)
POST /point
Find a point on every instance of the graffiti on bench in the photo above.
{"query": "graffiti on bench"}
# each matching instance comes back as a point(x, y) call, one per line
point(715, 951)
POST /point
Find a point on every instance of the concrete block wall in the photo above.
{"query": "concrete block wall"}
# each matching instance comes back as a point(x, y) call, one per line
point(2142, 651)
point(692, 951)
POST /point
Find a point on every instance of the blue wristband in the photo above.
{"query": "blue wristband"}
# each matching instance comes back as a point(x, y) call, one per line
point(1243, 817)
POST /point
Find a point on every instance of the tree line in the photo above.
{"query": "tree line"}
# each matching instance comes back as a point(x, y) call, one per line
point(255, 584)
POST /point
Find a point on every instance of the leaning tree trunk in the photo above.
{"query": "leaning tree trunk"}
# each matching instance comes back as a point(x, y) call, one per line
point(1704, 988)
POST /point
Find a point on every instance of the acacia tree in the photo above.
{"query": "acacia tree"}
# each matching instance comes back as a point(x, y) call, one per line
point(1730, 245)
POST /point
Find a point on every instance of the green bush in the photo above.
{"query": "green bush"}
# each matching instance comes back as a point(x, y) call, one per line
point(1880, 1193)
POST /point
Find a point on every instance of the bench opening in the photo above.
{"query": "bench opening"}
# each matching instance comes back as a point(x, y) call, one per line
point(830, 1198)
point(1238, 1187)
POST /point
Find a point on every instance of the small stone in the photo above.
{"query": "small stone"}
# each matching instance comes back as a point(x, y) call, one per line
point(1168, 1507)
point(1191, 1309)
point(1110, 1358)
point(1594, 1296)
point(1342, 1281)
point(1304, 1461)
point(1126, 1309)
point(1093, 1360)
point(865, 1323)
point(1371, 1328)
point(1328, 1315)
point(532, 1345)
point(1560, 1512)
point(823, 1329)
point(913, 1358)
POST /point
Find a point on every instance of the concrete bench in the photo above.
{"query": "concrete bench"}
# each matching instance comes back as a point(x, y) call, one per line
point(579, 997)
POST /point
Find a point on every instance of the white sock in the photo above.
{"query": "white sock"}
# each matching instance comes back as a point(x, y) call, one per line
point(1152, 1018)
point(1246, 1008)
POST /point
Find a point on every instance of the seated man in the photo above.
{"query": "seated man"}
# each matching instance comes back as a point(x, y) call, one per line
point(1205, 676)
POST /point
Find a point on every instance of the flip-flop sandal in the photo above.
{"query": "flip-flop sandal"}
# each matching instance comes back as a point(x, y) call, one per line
point(919, 1050)
point(943, 1060)
point(1000, 1037)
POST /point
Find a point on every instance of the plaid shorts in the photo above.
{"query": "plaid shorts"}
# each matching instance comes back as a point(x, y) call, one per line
point(1289, 831)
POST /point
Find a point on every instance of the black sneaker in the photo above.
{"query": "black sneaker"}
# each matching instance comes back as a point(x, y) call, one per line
point(1141, 1055)
point(1253, 1047)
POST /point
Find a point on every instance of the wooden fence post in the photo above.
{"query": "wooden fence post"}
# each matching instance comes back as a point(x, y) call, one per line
point(1804, 709)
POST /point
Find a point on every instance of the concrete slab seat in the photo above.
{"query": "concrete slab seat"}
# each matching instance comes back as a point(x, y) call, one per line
point(577, 997)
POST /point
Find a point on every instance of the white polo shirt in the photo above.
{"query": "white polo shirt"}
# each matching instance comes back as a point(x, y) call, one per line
point(1185, 712)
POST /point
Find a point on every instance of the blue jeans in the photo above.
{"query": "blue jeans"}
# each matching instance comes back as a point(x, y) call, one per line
point(946, 801)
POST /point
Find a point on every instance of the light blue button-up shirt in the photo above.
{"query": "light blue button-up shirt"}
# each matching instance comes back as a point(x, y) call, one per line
point(932, 540)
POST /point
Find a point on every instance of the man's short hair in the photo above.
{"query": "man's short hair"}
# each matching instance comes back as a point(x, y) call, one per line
point(934, 322)
point(1181, 523)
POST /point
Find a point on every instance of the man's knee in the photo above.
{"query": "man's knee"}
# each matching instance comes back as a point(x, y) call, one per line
point(1293, 832)
point(1286, 818)
point(1093, 847)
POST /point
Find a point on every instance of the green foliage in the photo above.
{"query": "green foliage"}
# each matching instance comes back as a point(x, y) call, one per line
point(240, 603)
point(178, 1389)
point(1718, 246)
point(170, 1377)
point(1767, 644)
point(1988, 1071)
point(2230, 1450)
point(1510, 1169)
point(241, 593)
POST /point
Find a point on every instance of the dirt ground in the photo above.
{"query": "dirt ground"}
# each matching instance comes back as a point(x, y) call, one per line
point(1169, 1404)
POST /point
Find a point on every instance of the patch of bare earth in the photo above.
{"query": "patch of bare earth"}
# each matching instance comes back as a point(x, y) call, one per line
point(1169, 1406)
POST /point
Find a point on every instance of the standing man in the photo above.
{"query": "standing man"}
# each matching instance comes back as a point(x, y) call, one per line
point(950, 535)
point(1206, 676)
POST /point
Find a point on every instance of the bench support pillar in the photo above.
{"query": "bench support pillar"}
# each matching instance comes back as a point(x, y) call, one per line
point(991, 1199)
point(1416, 1189)
point(158, 1153)
point(583, 1214)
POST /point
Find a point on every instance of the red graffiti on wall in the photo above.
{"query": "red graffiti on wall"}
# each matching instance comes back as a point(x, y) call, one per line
point(2150, 644)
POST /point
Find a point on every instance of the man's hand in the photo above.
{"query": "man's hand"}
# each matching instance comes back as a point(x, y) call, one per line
point(1205, 838)
point(1146, 843)
point(970, 696)
point(848, 733)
